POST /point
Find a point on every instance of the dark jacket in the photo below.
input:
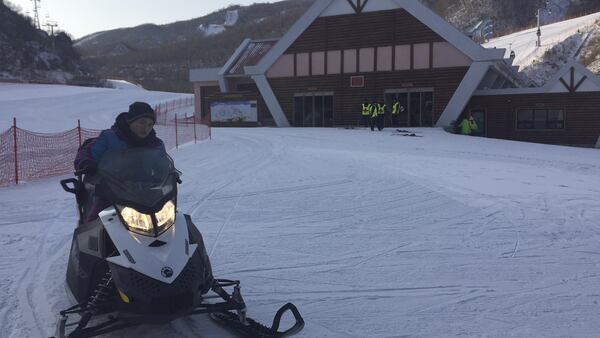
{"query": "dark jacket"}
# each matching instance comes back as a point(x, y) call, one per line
point(119, 136)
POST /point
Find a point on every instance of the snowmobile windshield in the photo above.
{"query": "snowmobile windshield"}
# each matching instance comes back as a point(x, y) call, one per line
point(143, 178)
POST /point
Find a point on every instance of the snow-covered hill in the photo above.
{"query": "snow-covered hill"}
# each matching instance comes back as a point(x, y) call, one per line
point(370, 234)
point(560, 42)
point(55, 108)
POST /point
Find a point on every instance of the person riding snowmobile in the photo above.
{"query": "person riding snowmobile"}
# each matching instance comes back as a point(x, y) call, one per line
point(134, 128)
point(140, 260)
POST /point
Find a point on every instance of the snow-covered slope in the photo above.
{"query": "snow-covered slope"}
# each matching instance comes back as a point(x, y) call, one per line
point(371, 234)
point(211, 29)
point(570, 32)
point(122, 84)
point(54, 108)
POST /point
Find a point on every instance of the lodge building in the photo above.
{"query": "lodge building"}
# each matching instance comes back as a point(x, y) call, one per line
point(343, 52)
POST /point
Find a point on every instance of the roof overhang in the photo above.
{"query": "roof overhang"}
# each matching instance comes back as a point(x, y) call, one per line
point(204, 75)
point(569, 78)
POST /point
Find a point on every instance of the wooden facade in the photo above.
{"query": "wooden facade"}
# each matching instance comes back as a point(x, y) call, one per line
point(371, 29)
point(348, 101)
point(366, 30)
point(581, 116)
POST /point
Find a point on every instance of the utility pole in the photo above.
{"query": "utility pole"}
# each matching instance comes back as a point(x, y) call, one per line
point(50, 25)
point(36, 16)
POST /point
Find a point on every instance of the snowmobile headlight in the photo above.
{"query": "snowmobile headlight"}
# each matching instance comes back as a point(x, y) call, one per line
point(137, 222)
point(165, 217)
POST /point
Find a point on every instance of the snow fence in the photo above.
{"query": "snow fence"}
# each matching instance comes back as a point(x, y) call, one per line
point(27, 156)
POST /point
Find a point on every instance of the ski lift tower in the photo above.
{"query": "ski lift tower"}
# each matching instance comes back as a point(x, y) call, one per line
point(538, 43)
point(36, 16)
point(538, 15)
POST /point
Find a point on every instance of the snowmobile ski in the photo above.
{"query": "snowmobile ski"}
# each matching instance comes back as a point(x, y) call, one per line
point(254, 329)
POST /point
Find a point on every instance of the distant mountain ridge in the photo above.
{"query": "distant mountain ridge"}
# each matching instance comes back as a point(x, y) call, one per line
point(160, 56)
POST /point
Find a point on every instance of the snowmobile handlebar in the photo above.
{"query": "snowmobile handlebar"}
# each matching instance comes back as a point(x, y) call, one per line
point(67, 188)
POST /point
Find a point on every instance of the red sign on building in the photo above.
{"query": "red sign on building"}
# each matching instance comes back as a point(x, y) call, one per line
point(357, 81)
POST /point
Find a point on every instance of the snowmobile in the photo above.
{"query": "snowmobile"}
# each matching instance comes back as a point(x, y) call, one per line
point(142, 261)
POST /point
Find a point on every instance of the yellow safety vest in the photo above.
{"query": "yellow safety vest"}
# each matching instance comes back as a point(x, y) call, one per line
point(381, 108)
point(366, 109)
point(396, 108)
point(373, 111)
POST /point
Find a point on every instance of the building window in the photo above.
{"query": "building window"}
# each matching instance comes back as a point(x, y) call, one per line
point(334, 62)
point(540, 119)
point(421, 56)
point(302, 64)
point(350, 61)
point(367, 59)
point(318, 63)
point(402, 57)
point(384, 59)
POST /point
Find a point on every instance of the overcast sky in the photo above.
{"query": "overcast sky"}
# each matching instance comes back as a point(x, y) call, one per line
point(82, 17)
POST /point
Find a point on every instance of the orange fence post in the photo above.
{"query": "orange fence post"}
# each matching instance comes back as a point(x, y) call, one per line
point(194, 119)
point(79, 131)
point(176, 134)
point(15, 150)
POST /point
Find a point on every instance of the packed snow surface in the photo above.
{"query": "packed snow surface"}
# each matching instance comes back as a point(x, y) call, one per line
point(370, 234)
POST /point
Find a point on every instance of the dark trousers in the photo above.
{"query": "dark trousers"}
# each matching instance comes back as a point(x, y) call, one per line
point(373, 122)
point(381, 122)
point(365, 120)
point(396, 120)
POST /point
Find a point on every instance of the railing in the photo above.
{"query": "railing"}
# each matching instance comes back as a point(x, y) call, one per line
point(165, 112)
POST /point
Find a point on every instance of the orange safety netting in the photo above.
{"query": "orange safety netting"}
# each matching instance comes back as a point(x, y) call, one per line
point(164, 111)
point(39, 155)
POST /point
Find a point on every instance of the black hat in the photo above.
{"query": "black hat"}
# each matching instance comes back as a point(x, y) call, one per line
point(138, 110)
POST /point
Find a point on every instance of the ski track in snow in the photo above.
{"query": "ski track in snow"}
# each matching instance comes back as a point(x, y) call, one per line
point(369, 235)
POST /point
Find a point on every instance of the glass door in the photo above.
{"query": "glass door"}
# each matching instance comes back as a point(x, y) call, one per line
point(416, 106)
point(414, 109)
point(298, 108)
point(328, 110)
point(308, 111)
point(479, 117)
point(313, 110)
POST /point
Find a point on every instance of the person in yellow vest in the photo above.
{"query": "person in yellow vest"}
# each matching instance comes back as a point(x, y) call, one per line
point(396, 110)
point(381, 116)
point(468, 125)
point(374, 115)
point(365, 113)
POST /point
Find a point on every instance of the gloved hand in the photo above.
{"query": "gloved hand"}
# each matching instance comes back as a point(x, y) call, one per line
point(89, 168)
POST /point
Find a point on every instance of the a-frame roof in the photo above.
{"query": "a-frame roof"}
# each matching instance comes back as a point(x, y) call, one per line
point(572, 77)
point(425, 15)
